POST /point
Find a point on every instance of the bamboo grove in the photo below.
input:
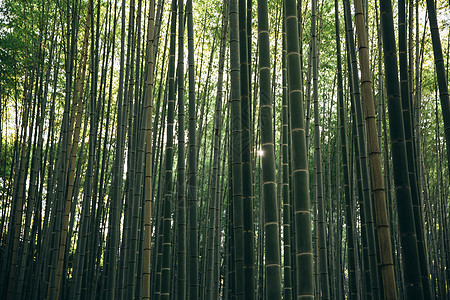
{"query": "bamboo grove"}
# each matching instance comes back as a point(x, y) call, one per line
point(230, 149)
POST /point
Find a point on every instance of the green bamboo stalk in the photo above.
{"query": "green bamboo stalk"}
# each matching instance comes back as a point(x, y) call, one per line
point(247, 182)
point(324, 290)
point(148, 155)
point(181, 181)
point(116, 197)
point(300, 177)
point(166, 213)
point(218, 261)
point(128, 275)
point(272, 265)
point(192, 159)
point(287, 265)
point(236, 152)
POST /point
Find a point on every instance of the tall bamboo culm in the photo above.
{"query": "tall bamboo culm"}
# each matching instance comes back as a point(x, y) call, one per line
point(300, 174)
point(236, 153)
point(148, 155)
point(287, 207)
point(192, 164)
point(272, 264)
point(168, 194)
point(323, 290)
point(379, 201)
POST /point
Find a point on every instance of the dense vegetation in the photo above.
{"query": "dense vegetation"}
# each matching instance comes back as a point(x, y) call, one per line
point(224, 150)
